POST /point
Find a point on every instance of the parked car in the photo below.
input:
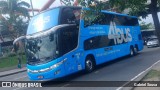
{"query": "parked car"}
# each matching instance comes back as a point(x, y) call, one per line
point(153, 42)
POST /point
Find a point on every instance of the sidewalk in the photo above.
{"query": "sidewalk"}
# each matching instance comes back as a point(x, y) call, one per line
point(13, 71)
point(153, 75)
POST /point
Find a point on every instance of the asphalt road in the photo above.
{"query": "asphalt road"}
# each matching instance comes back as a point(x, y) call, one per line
point(123, 69)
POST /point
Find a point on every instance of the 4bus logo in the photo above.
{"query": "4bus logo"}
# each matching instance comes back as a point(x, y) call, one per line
point(119, 35)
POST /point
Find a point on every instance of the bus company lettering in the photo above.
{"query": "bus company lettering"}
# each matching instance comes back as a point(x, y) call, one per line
point(119, 35)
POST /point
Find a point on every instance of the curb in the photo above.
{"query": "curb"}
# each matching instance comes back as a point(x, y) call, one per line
point(139, 78)
point(18, 71)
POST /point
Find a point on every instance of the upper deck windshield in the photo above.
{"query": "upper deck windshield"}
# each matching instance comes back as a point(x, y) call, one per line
point(43, 21)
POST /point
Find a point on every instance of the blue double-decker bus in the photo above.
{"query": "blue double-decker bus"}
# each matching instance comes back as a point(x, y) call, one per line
point(60, 41)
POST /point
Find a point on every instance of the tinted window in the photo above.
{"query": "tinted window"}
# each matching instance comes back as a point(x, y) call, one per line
point(70, 15)
point(68, 39)
point(105, 19)
point(98, 42)
point(43, 21)
point(125, 21)
point(100, 18)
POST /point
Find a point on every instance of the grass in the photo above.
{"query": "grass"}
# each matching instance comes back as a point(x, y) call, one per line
point(11, 61)
point(152, 74)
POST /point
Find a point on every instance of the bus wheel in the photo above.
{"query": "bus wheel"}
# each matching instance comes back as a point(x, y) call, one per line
point(135, 51)
point(131, 51)
point(89, 64)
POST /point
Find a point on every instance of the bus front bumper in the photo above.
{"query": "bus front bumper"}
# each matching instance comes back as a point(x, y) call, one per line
point(48, 71)
point(48, 75)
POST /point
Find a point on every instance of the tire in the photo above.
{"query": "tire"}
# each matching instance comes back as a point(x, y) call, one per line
point(89, 64)
point(131, 51)
point(135, 50)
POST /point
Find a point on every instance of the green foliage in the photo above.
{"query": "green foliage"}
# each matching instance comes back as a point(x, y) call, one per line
point(137, 7)
point(14, 17)
point(93, 5)
point(144, 25)
point(152, 74)
point(68, 2)
point(7, 62)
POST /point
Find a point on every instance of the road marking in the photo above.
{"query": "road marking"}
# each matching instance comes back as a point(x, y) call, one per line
point(119, 88)
point(21, 77)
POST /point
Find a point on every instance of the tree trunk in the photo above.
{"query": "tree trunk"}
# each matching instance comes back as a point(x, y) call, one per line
point(154, 13)
point(156, 24)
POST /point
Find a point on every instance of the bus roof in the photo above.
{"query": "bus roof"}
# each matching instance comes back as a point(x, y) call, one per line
point(105, 11)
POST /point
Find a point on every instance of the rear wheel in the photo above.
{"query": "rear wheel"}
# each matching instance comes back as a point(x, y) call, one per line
point(131, 51)
point(89, 64)
point(136, 50)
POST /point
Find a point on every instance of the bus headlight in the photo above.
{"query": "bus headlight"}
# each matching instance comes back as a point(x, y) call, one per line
point(54, 66)
point(32, 71)
point(57, 64)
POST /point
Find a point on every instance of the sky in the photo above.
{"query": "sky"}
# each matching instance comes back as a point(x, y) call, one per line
point(37, 4)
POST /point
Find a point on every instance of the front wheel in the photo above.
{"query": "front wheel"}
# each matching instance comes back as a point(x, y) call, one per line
point(89, 64)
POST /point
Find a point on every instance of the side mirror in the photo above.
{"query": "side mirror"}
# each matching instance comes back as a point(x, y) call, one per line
point(15, 42)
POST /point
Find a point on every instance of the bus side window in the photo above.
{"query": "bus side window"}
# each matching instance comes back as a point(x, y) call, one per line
point(116, 19)
point(98, 19)
point(98, 42)
point(108, 18)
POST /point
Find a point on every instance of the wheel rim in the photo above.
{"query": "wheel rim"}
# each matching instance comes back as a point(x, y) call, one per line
point(89, 64)
point(131, 52)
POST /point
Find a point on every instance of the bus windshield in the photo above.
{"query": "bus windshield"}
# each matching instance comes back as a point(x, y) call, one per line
point(43, 21)
point(41, 49)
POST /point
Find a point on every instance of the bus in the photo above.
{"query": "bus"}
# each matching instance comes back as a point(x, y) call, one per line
point(61, 41)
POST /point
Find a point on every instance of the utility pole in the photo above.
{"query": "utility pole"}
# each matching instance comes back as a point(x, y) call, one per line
point(32, 7)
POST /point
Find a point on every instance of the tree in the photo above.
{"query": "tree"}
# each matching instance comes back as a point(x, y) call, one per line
point(141, 8)
point(14, 17)
point(145, 26)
